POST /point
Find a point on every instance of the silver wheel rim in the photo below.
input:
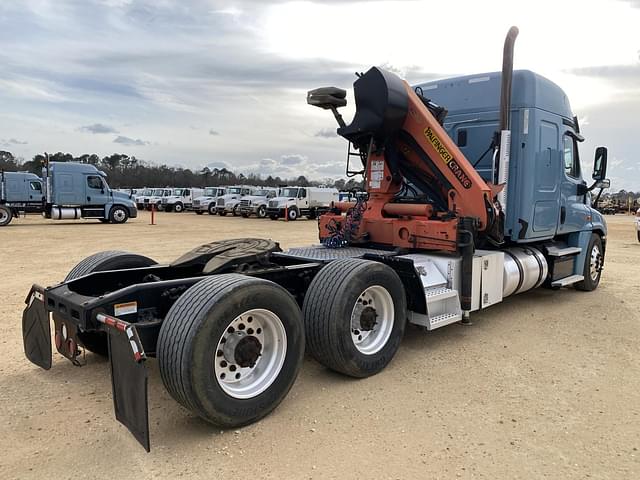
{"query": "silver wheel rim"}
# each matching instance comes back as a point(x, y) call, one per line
point(4, 215)
point(374, 305)
point(118, 215)
point(292, 214)
point(178, 207)
point(254, 325)
point(594, 263)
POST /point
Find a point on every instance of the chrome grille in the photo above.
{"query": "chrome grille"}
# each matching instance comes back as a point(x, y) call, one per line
point(220, 202)
point(245, 203)
point(273, 204)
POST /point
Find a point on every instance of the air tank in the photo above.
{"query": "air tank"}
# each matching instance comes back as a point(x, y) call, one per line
point(524, 268)
point(65, 213)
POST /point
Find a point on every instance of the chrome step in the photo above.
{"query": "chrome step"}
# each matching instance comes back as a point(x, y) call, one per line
point(570, 280)
point(436, 294)
point(444, 319)
point(563, 252)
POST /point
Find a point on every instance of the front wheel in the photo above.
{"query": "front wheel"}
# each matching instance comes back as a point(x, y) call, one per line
point(211, 209)
point(236, 211)
point(293, 213)
point(118, 214)
point(355, 313)
point(5, 215)
point(262, 211)
point(199, 212)
point(638, 232)
point(592, 265)
point(230, 348)
point(178, 207)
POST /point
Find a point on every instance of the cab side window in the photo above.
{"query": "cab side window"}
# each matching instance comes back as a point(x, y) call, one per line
point(302, 193)
point(94, 181)
point(36, 186)
point(570, 155)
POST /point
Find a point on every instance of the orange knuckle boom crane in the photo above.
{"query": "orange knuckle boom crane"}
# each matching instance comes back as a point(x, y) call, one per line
point(402, 139)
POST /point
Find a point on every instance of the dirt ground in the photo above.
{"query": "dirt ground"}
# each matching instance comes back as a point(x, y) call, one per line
point(544, 385)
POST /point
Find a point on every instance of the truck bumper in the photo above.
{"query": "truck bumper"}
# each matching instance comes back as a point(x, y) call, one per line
point(249, 210)
point(133, 212)
point(276, 212)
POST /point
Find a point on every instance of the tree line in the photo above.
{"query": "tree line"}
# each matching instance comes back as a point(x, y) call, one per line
point(124, 171)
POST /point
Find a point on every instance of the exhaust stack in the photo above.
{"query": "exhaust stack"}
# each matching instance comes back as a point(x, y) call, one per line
point(505, 114)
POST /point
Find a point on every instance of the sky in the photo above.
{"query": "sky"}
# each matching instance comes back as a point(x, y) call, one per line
point(193, 83)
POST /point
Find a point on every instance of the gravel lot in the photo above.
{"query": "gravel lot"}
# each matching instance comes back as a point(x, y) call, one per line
point(545, 385)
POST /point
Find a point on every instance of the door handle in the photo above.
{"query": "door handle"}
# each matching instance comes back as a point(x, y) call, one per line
point(88, 199)
point(563, 214)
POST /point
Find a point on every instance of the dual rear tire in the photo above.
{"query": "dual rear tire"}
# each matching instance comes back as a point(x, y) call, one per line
point(230, 348)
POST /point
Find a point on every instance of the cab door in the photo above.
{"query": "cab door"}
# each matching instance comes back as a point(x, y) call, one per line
point(35, 191)
point(96, 190)
point(303, 198)
point(573, 211)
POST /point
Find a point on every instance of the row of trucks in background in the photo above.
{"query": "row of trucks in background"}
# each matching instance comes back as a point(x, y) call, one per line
point(65, 191)
point(242, 200)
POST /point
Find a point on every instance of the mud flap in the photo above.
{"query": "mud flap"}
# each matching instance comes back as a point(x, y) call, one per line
point(36, 332)
point(129, 384)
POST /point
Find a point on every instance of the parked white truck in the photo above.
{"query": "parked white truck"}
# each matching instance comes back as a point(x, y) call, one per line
point(294, 202)
point(638, 223)
point(146, 193)
point(180, 199)
point(256, 204)
point(230, 201)
point(207, 202)
point(156, 198)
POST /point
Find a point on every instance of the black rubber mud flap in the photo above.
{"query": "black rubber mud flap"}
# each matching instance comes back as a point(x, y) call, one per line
point(129, 383)
point(36, 332)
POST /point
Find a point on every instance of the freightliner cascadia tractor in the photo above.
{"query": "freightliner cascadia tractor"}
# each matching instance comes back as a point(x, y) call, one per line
point(66, 191)
point(464, 209)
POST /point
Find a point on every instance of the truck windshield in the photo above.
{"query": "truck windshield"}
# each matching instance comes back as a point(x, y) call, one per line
point(158, 192)
point(210, 192)
point(233, 190)
point(290, 192)
point(167, 193)
point(148, 192)
point(261, 193)
point(177, 192)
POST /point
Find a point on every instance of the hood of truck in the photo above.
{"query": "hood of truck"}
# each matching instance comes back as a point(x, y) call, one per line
point(123, 198)
point(231, 196)
point(282, 200)
point(254, 198)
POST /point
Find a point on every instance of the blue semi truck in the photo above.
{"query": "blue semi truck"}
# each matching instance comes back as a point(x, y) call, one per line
point(66, 190)
point(462, 209)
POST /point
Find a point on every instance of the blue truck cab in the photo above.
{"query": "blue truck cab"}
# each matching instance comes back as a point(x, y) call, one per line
point(79, 190)
point(547, 197)
point(66, 191)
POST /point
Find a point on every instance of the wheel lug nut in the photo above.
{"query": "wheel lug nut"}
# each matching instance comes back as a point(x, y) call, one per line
point(232, 368)
point(223, 364)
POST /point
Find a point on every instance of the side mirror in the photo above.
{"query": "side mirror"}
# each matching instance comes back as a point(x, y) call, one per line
point(600, 164)
point(606, 183)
